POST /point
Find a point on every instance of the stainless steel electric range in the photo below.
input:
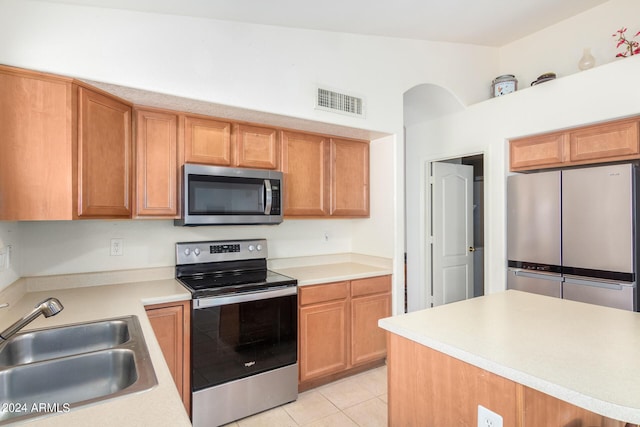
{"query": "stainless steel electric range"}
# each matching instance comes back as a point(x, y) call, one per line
point(244, 330)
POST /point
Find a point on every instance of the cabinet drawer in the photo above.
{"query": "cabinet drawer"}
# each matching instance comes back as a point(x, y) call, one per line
point(372, 285)
point(321, 293)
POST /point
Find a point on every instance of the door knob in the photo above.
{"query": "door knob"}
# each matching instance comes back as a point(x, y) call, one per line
point(472, 249)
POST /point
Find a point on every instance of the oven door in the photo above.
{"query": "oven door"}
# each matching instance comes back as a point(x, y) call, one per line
point(241, 335)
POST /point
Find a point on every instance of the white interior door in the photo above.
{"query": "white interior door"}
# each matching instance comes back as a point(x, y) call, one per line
point(452, 232)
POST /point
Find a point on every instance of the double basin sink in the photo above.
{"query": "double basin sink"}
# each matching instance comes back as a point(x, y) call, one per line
point(56, 369)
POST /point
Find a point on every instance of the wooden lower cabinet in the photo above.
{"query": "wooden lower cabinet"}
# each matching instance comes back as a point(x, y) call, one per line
point(171, 323)
point(323, 351)
point(338, 328)
point(429, 388)
point(370, 302)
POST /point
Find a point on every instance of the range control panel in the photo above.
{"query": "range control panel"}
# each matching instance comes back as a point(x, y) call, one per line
point(221, 250)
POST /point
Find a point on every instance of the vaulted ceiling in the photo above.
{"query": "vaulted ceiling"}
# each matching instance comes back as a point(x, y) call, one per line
point(486, 22)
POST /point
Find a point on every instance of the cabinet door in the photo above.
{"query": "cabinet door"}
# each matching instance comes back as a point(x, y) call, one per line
point(171, 324)
point(349, 178)
point(536, 152)
point(156, 164)
point(35, 146)
point(207, 141)
point(606, 142)
point(323, 339)
point(104, 156)
point(256, 147)
point(371, 301)
point(306, 174)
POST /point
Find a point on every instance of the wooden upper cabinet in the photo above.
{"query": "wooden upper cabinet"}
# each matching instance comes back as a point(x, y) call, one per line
point(157, 163)
point(325, 177)
point(104, 154)
point(305, 160)
point(256, 147)
point(349, 178)
point(605, 142)
point(36, 140)
point(207, 141)
point(536, 152)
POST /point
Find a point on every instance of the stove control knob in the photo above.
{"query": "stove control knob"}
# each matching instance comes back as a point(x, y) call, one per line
point(187, 251)
point(196, 251)
point(259, 247)
point(251, 248)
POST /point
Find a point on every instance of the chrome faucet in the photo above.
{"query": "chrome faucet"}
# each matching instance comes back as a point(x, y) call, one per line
point(49, 307)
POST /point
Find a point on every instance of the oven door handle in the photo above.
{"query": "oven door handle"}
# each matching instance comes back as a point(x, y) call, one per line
point(253, 296)
point(268, 197)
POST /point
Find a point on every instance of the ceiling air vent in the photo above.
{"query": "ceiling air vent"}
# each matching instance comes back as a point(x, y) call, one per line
point(329, 100)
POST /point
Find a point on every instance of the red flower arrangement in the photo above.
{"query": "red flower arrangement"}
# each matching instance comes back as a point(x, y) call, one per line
point(631, 47)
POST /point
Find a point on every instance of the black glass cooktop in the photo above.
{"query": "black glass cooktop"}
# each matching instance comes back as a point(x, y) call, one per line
point(227, 283)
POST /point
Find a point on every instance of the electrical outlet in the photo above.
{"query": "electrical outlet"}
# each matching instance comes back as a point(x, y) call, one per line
point(117, 247)
point(487, 418)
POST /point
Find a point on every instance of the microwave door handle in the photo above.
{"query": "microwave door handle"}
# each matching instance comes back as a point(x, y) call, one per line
point(268, 197)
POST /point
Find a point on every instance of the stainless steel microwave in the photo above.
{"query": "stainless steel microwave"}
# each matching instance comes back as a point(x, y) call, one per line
point(215, 195)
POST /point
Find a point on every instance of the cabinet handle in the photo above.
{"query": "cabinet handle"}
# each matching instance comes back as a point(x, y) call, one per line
point(472, 249)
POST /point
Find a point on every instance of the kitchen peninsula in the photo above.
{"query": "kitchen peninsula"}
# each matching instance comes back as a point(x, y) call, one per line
point(532, 359)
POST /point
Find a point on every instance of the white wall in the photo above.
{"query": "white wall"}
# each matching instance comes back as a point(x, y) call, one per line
point(260, 67)
point(560, 47)
point(575, 100)
point(62, 247)
point(9, 237)
point(256, 67)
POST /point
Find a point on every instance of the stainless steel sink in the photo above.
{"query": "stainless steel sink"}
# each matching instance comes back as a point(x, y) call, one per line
point(50, 343)
point(57, 369)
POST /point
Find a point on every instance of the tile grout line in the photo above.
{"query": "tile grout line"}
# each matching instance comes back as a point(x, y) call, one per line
point(341, 391)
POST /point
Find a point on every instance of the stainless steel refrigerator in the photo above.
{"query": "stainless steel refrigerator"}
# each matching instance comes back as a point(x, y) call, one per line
point(572, 234)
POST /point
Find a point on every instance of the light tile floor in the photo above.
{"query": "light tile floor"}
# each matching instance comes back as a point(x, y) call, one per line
point(359, 400)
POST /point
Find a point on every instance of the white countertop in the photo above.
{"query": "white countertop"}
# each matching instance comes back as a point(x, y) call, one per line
point(583, 354)
point(160, 406)
point(315, 270)
point(336, 272)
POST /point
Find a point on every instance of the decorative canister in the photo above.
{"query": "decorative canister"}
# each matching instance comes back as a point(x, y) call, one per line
point(503, 85)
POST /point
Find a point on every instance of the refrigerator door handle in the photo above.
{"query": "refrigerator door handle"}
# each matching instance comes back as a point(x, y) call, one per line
point(606, 285)
point(524, 273)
